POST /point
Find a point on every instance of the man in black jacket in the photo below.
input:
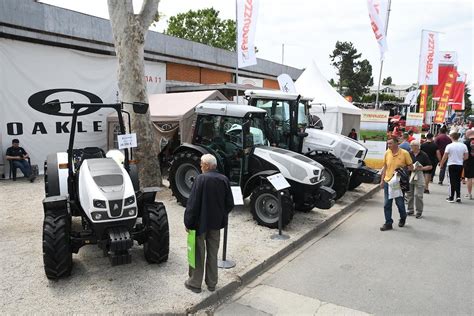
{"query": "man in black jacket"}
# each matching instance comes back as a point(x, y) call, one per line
point(207, 212)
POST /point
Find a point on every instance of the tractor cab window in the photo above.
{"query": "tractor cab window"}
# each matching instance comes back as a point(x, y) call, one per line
point(278, 121)
point(302, 116)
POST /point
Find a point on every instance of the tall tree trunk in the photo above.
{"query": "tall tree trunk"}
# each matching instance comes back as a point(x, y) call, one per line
point(129, 32)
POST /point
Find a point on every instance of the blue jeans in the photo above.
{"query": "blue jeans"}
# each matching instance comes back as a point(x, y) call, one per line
point(387, 206)
point(24, 167)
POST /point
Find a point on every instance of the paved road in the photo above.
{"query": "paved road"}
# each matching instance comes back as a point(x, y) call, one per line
point(424, 268)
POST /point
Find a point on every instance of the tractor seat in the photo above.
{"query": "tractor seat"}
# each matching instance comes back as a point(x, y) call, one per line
point(92, 152)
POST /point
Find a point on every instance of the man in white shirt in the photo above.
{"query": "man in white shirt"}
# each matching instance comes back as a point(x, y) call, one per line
point(454, 154)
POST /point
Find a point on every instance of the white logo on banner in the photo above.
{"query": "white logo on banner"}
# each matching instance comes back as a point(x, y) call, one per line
point(429, 58)
point(378, 16)
point(448, 58)
point(286, 83)
point(247, 11)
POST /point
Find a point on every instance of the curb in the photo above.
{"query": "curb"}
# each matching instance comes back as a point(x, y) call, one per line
point(268, 263)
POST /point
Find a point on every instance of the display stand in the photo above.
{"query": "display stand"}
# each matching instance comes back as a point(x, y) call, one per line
point(279, 183)
point(227, 263)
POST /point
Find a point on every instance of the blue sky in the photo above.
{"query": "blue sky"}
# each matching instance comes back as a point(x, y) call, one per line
point(309, 30)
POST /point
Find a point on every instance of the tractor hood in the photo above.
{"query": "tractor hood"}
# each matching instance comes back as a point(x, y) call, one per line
point(293, 166)
point(351, 152)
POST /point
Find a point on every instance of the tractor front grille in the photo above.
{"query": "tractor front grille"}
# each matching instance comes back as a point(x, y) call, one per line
point(115, 207)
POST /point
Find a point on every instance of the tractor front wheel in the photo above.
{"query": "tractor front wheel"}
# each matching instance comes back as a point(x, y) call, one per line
point(157, 239)
point(265, 206)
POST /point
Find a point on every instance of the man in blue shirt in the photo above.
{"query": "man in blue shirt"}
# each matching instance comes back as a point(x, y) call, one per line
point(405, 144)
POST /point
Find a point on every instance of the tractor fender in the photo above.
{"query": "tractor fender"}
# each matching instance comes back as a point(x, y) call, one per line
point(55, 205)
point(256, 179)
point(146, 196)
point(187, 146)
point(56, 174)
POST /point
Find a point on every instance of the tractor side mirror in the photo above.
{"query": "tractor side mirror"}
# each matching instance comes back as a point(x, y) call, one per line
point(140, 107)
point(53, 106)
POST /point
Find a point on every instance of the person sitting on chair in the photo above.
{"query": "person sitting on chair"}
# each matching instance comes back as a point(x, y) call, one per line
point(19, 159)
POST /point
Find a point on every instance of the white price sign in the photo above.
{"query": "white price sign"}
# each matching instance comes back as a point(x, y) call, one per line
point(278, 181)
point(237, 195)
point(127, 141)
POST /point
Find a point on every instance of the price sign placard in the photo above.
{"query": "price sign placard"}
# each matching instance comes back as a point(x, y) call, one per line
point(237, 195)
point(127, 141)
point(278, 181)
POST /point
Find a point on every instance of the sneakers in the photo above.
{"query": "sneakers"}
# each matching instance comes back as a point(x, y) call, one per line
point(418, 215)
point(426, 191)
point(410, 213)
point(386, 227)
point(211, 288)
point(192, 288)
point(449, 200)
point(458, 200)
point(468, 196)
point(401, 222)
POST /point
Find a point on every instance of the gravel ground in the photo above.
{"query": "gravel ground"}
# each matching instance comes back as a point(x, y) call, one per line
point(97, 287)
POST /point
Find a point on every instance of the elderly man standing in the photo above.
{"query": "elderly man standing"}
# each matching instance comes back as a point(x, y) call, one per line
point(207, 212)
point(417, 179)
point(395, 157)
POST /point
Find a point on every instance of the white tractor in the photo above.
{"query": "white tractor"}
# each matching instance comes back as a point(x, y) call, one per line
point(102, 190)
point(294, 129)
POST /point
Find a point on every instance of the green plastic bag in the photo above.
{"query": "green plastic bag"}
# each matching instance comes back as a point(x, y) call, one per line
point(192, 248)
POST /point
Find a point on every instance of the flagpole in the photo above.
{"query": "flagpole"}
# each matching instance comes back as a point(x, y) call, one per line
point(236, 54)
point(381, 62)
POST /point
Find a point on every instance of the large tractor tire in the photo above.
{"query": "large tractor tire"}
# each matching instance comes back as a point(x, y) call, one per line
point(157, 240)
point(51, 176)
point(265, 206)
point(335, 174)
point(184, 170)
point(354, 182)
point(57, 253)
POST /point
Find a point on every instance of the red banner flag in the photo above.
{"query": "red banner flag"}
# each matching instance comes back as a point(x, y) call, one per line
point(457, 96)
point(443, 101)
point(423, 99)
point(442, 78)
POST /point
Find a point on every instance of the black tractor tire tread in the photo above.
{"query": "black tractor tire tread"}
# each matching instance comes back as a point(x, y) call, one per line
point(341, 175)
point(157, 243)
point(303, 208)
point(179, 158)
point(288, 210)
point(57, 253)
point(354, 182)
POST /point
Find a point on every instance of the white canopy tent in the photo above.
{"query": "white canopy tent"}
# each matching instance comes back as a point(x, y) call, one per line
point(337, 114)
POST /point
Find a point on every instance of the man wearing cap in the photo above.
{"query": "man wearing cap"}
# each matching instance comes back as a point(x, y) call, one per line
point(19, 158)
point(469, 163)
point(422, 164)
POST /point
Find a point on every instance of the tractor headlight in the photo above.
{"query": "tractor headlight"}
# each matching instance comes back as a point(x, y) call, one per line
point(131, 211)
point(316, 172)
point(314, 180)
point(97, 216)
point(130, 200)
point(359, 154)
point(99, 204)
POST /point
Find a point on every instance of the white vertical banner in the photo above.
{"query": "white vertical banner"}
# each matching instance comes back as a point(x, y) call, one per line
point(429, 58)
point(378, 16)
point(412, 96)
point(247, 12)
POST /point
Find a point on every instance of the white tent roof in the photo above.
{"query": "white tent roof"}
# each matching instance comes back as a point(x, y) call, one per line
point(313, 84)
point(172, 107)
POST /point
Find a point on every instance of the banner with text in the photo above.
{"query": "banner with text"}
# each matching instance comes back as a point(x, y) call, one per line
point(423, 99)
point(247, 12)
point(373, 135)
point(414, 122)
point(457, 96)
point(443, 101)
point(428, 67)
point(33, 74)
point(378, 16)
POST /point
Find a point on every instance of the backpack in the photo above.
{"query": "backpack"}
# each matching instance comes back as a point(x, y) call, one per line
point(404, 179)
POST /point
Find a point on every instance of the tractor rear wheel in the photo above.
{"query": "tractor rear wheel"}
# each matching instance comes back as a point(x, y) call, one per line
point(157, 240)
point(184, 170)
point(264, 205)
point(57, 253)
point(335, 174)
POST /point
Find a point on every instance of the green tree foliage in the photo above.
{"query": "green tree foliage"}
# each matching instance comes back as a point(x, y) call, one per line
point(204, 26)
point(370, 98)
point(355, 76)
point(387, 81)
point(467, 100)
